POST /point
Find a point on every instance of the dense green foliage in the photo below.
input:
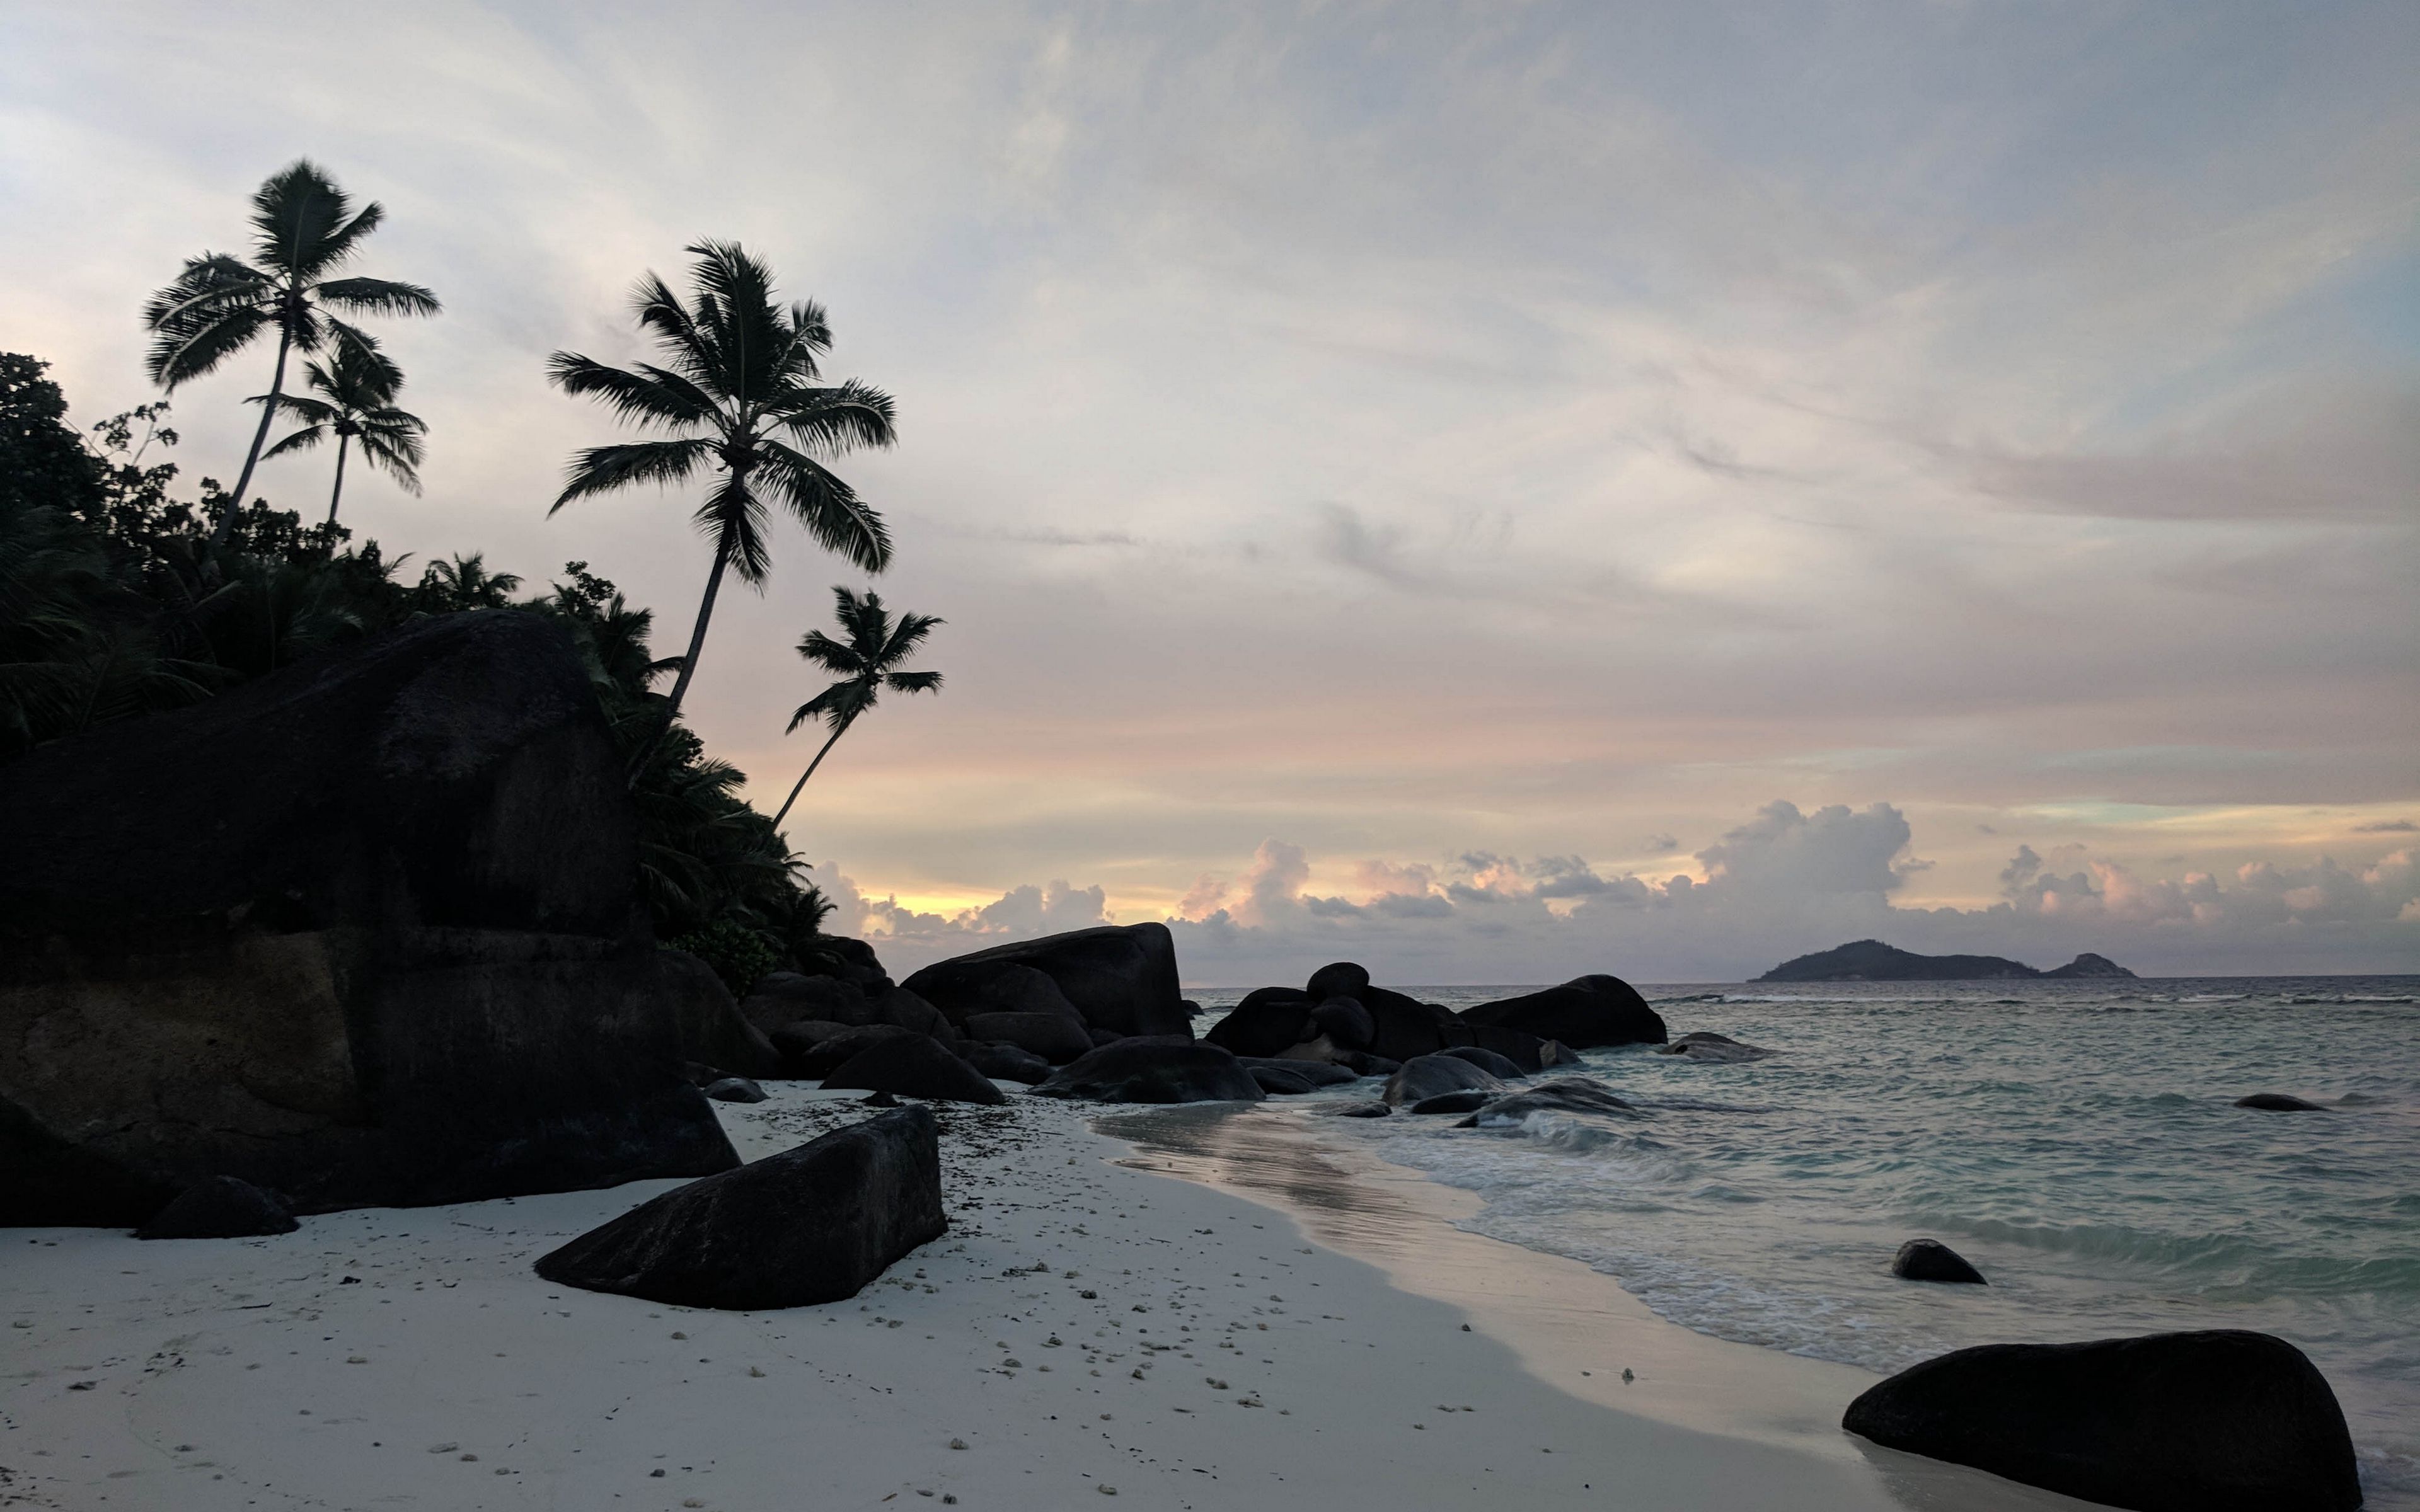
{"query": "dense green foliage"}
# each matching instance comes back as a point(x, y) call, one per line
point(116, 601)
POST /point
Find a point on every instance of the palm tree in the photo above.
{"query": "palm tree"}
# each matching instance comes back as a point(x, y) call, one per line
point(358, 388)
point(305, 229)
point(465, 583)
point(865, 663)
point(741, 376)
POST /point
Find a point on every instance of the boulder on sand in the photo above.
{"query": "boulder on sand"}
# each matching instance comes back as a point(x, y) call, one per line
point(1163, 1069)
point(782, 998)
point(811, 1225)
point(220, 1207)
point(734, 1090)
point(1584, 1012)
point(799, 1037)
point(1121, 978)
point(1008, 1063)
point(2222, 1421)
point(1487, 1060)
point(712, 1029)
point(363, 930)
point(914, 1065)
point(1057, 1038)
point(1929, 1259)
point(1427, 1076)
point(825, 1056)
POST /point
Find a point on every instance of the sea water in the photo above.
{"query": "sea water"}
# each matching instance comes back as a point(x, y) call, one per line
point(2077, 1141)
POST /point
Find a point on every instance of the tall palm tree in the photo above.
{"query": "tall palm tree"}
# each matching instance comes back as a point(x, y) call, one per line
point(742, 397)
point(304, 228)
point(465, 583)
point(358, 386)
point(867, 663)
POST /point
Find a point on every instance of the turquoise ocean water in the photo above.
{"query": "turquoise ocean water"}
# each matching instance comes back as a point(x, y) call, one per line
point(2076, 1140)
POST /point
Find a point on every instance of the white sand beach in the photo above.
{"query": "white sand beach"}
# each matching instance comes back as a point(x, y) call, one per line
point(1297, 1334)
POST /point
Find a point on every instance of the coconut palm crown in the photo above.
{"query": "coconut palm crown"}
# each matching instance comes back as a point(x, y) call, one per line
point(743, 401)
point(305, 229)
point(357, 385)
point(866, 662)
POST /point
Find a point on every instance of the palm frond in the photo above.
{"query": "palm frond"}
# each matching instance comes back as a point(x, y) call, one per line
point(839, 703)
point(603, 469)
point(343, 241)
point(733, 515)
point(377, 296)
point(300, 440)
point(831, 655)
point(193, 347)
point(293, 214)
point(831, 509)
point(650, 397)
point(912, 681)
point(839, 419)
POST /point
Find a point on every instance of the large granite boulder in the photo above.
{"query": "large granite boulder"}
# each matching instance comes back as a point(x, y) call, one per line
point(846, 960)
point(1057, 1038)
point(1584, 1012)
point(2222, 1421)
point(1007, 1063)
point(1269, 1022)
point(1405, 1028)
point(914, 1065)
point(811, 1225)
point(1929, 1259)
point(1487, 1060)
point(364, 931)
point(1122, 978)
point(220, 1207)
point(713, 1032)
point(1345, 1023)
point(781, 999)
point(1163, 1069)
point(1340, 978)
point(1427, 1076)
point(1023, 990)
point(827, 1054)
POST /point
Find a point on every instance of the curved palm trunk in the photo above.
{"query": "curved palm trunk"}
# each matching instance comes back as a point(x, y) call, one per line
point(839, 730)
point(689, 663)
point(343, 440)
point(260, 433)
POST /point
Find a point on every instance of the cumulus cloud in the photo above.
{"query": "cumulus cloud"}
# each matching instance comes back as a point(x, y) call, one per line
point(907, 938)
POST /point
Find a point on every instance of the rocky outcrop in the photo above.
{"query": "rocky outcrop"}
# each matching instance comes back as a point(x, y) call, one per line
point(914, 1065)
point(2091, 966)
point(1266, 1022)
point(1164, 1069)
point(1584, 1012)
point(360, 932)
point(1278, 1081)
point(812, 1225)
point(1318, 1074)
point(2277, 1103)
point(2208, 1422)
point(1719, 1049)
point(1568, 1094)
point(1427, 1076)
point(1007, 1063)
point(782, 998)
point(1057, 1038)
point(1929, 1259)
point(712, 1029)
point(1118, 978)
point(220, 1207)
point(829, 1053)
point(1487, 1060)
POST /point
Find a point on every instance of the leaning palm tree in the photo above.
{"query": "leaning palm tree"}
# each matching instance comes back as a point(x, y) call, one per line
point(867, 663)
point(357, 387)
point(743, 399)
point(305, 229)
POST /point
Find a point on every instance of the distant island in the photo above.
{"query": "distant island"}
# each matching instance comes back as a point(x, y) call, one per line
point(1873, 961)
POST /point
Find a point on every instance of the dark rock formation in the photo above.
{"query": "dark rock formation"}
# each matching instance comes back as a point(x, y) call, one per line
point(1427, 1076)
point(361, 931)
point(1057, 1038)
point(1487, 1060)
point(1584, 1012)
point(1345, 1023)
point(811, 1225)
point(1873, 961)
point(1023, 990)
point(1342, 979)
point(1277, 1083)
point(711, 1026)
point(1269, 1027)
point(734, 1090)
point(1568, 1094)
point(1161, 1069)
point(1362, 1063)
point(828, 1054)
point(914, 1065)
point(1318, 1074)
point(2277, 1103)
point(2209, 1422)
point(1929, 1259)
point(1469, 1101)
point(1718, 1048)
point(903, 1007)
point(797, 1038)
point(843, 959)
point(1358, 1110)
point(781, 999)
point(1405, 1028)
point(1007, 1063)
point(220, 1207)
point(1526, 1051)
point(1120, 977)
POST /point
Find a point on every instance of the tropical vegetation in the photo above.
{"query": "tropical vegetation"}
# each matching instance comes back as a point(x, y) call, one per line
point(866, 660)
point(353, 399)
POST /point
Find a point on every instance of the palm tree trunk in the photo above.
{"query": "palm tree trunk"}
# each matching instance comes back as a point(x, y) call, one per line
point(343, 440)
point(689, 663)
point(260, 433)
point(839, 730)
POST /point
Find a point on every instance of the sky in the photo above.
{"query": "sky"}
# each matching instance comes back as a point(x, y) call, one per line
point(1494, 491)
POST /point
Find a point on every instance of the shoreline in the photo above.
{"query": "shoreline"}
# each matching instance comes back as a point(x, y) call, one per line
point(1086, 1323)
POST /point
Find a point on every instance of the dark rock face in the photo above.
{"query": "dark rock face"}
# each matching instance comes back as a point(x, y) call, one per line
point(1317, 1072)
point(1159, 1070)
point(1487, 1060)
point(1427, 1076)
point(799, 1037)
point(844, 959)
point(2277, 1103)
point(1360, 1110)
point(734, 1090)
point(828, 1054)
point(220, 1207)
point(1120, 977)
point(1584, 1012)
point(1718, 1048)
point(1526, 1051)
point(811, 1225)
point(1023, 990)
point(1929, 1259)
point(1007, 1063)
point(1268, 1027)
point(711, 1026)
point(1361, 1063)
point(1277, 1083)
point(914, 1065)
point(1057, 1038)
point(1346, 1023)
point(1405, 1028)
point(360, 931)
point(1568, 1094)
point(1470, 1101)
point(1343, 979)
point(897, 1005)
point(782, 998)
point(2209, 1421)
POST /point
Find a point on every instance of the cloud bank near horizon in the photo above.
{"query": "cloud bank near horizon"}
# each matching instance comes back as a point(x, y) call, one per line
point(1785, 883)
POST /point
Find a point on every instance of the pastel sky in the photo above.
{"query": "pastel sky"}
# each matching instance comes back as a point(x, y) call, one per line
point(1494, 491)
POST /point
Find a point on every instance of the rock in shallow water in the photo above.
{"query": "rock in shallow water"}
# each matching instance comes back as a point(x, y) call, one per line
point(1929, 1259)
point(1427, 1076)
point(1317, 1072)
point(811, 1225)
point(1719, 1048)
point(220, 1207)
point(1277, 1082)
point(1159, 1068)
point(1467, 1101)
point(1583, 1013)
point(1487, 1060)
point(2277, 1103)
point(2221, 1420)
point(1567, 1094)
